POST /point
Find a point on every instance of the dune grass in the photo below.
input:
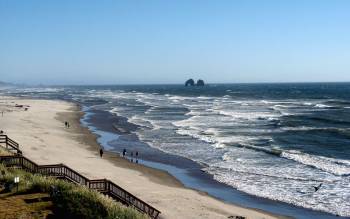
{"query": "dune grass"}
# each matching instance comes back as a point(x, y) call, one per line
point(70, 200)
point(28, 206)
point(4, 152)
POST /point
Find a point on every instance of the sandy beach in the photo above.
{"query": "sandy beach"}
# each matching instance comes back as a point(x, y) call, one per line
point(42, 136)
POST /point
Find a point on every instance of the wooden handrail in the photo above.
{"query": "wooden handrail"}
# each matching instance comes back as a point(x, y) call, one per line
point(108, 187)
point(104, 186)
point(4, 139)
point(10, 141)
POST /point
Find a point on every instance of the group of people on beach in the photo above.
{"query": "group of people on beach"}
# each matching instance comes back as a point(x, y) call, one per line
point(124, 154)
point(132, 155)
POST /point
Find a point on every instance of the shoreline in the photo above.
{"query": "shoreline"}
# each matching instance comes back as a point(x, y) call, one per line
point(43, 138)
point(202, 182)
point(90, 139)
point(157, 175)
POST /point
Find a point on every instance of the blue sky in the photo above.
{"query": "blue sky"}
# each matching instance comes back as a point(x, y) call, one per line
point(133, 42)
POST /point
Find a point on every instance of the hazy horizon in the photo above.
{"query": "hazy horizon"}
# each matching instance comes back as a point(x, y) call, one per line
point(170, 83)
point(157, 42)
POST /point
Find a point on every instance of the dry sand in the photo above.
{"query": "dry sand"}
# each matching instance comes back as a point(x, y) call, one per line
point(42, 136)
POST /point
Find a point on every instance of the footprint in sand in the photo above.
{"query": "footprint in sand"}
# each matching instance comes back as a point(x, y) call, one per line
point(38, 138)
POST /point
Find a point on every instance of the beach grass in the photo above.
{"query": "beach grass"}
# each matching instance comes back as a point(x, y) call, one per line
point(28, 206)
point(4, 152)
point(69, 200)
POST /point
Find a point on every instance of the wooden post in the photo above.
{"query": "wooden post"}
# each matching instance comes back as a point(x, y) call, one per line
point(6, 141)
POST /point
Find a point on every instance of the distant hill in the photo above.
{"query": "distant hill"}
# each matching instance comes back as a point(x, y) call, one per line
point(5, 84)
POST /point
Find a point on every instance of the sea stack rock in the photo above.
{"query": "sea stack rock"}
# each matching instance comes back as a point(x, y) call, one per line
point(200, 82)
point(189, 82)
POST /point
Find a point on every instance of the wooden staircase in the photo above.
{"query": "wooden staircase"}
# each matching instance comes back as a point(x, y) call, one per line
point(62, 171)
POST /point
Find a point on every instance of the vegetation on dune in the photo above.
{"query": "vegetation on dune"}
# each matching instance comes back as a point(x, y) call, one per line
point(26, 206)
point(4, 152)
point(69, 200)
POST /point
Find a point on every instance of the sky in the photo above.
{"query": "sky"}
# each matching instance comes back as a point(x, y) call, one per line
point(152, 42)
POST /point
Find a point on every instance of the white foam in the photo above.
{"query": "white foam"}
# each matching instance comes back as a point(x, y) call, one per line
point(219, 145)
point(288, 181)
point(177, 98)
point(294, 191)
point(281, 106)
point(266, 102)
point(335, 166)
point(307, 104)
point(204, 98)
point(138, 120)
point(193, 113)
point(197, 135)
point(247, 115)
point(322, 106)
point(307, 128)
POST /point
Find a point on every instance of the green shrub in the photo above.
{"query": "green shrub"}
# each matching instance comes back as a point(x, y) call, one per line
point(75, 203)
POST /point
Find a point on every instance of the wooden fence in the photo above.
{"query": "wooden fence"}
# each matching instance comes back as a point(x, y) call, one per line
point(62, 171)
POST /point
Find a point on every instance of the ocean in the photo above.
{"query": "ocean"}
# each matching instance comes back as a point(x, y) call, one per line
point(275, 141)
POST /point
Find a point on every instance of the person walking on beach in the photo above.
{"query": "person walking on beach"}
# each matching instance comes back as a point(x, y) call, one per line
point(136, 156)
point(101, 152)
point(66, 124)
point(132, 158)
point(124, 152)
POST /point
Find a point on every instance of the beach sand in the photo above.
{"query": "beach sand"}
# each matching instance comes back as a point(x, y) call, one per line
point(42, 136)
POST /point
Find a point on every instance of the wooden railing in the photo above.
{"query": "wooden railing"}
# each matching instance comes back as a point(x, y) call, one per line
point(62, 171)
point(111, 189)
point(9, 144)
